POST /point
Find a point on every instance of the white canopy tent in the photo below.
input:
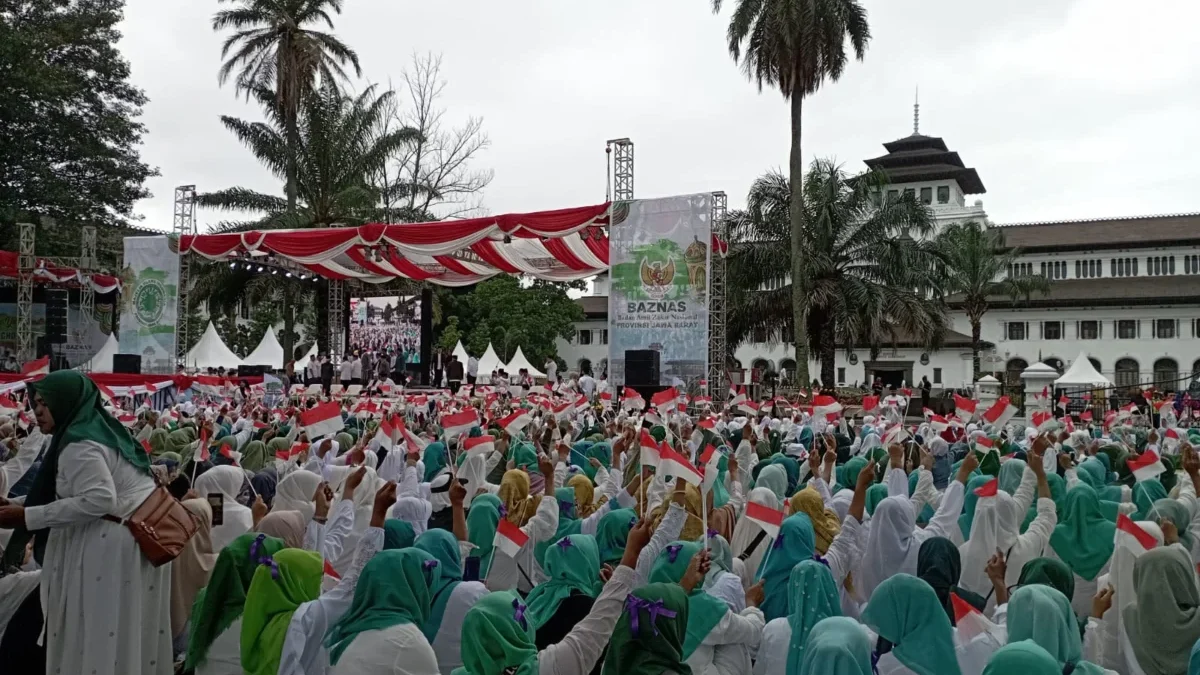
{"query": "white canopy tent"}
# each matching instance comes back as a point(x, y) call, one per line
point(1082, 374)
point(302, 362)
point(488, 362)
point(519, 361)
point(268, 352)
point(461, 353)
point(102, 361)
point(211, 352)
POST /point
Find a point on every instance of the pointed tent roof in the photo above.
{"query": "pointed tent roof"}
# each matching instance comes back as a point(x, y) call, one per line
point(302, 362)
point(1082, 374)
point(519, 361)
point(488, 362)
point(211, 352)
point(268, 352)
point(460, 352)
point(102, 361)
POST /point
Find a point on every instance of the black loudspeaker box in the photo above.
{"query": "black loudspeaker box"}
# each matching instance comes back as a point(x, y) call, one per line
point(641, 368)
point(127, 363)
point(244, 371)
point(56, 316)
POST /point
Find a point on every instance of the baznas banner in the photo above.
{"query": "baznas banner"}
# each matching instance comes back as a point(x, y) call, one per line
point(659, 256)
point(149, 301)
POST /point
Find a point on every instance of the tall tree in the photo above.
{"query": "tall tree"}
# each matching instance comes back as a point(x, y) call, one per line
point(275, 46)
point(975, 271)
point(868, 263)
point(69, 129)
point(795, 45)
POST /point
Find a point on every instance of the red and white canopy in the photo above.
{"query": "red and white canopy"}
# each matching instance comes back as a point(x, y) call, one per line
point(66, 276)
point(561, 245)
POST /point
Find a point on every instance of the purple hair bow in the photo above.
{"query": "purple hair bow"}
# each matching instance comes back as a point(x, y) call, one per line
point(564, 543)
point(503, 511)
point(655, 609)
point(429, 564)
point(712, 533)
point(566, 509)
point(255, 548)
point(821, 560)
point(875, 661)
point(519, 613)
point(673, 551)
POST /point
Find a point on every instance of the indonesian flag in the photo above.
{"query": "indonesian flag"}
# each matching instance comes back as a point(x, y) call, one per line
point(748, 408)
point(509, 538)
point(323, 420)
point(146, 446)
point(988, 489)
point(870, 404)
point(765, 517)
point(1063, 402)
point(665, 400)
point(650, 456)
point(1169, 400)
point(800, 393)
point(414, 442)
point(737, 397)
point(654, 420)
point(606, 400)
point(1069, 424)
point(457, 424)
point(387, 434)
point(106, 393)
point(259, 425)
point(1043, 397)
point(964, 407)
point(999, 414)
point(703, 401)
point(706, 423)
point(675, 464)
point(203, 444)
point(939, 423)
point(1131, 537)
point(631, 400)
point(710, 460)
point(969, 621)
point(1174, 435)
point(8, 404)
point(1146, 466)
point(1085, 416)
point(896, 434)
point(563, 411)
point(296, 450)
point(1042, 420)
point(229, 453)
point(927, 413)
point(368, 406)
point(985, 445)
point(825, 405)
point(36, 368)
point(515, 422)
point(1110, 417)
point(1126, 411)
point(128, 419)
point(327, 569)
point(480, 445)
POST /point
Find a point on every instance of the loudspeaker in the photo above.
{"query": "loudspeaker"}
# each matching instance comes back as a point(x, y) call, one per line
point(641, 368)
point(127, 363)
point(244, 371)
point(56, 316)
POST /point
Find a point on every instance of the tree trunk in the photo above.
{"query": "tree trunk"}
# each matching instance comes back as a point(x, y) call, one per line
point(828, 355)
point(289, 327)
point(975, 330)
point(796, 210)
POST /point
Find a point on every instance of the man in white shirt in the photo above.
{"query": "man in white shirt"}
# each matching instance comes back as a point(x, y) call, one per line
point(896, 401)
point(356, 371)
point(551, 368)
point(587, 385)
point(346, 371)
point(472, 370)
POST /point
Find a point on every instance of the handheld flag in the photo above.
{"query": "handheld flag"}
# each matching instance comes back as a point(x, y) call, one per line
point(1131, 537)
point(765, 517)
point(480, 445)
point(675, 464)
point(999, 414)
point(509, 538)
point(457, 424)
point(649, 446)
point(1146, 466)
point(964, 407)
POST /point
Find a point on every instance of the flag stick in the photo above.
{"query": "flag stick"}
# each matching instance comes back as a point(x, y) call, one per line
point(704, 513)
point(763, 564)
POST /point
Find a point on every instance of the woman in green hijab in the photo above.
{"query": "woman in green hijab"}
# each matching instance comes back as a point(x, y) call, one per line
point(1083, 537)
point(602, 452)
point(1145, 494)
point(1164, 622)
point(160, 442)
point(812, 597)
point(482, 519)
point(793, 545)
point(835, 646)
point(381, 632)
point(1174, 511)
point(254, 457)
point(704, 610)
point(1042, 614)
point(573, 567)
point(1023, 658)
point(397, 534)
point(291, 579)
point(875, 494)
point(846, 475)
point(649, 636)
point(611, 534)
point(1094, 472)
point(1048, 572)
point(905, 611)
point(434, 459)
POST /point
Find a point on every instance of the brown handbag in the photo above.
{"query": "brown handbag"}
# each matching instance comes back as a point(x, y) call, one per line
point(161, 526)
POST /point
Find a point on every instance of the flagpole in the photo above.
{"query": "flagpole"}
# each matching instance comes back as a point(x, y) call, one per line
point(763, 565)
point(704, 513)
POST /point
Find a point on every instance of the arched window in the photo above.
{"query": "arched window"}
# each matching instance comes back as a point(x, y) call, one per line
point(1166, 374)
point(1127, 373)
point(1014, 369)
point(788, 366)
point(585, 366)
point(1055, 363)
point(1095, 363)
point(761, 365)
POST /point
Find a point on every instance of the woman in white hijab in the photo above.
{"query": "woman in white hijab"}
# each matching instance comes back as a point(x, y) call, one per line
point(1106, 642)
point(236, 519)
point(295, 493)
point(746, 542)
point(363, 500)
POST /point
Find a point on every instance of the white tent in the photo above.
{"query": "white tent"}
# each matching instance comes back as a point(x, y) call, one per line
point(488, 362)
point(460, 352)
point(211, 352)
point(302, 363)
point(102, 362)
point(1082, 374)
point(519, 361)
point(268, 352)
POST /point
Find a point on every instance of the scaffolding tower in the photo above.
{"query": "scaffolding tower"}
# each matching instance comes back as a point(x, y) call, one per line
point(184, 223)
point(25, 268)
point(716, 299)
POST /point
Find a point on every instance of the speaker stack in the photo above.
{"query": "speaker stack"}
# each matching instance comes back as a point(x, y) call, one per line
point(641, 368)
point(56, 316)
point(127, 363)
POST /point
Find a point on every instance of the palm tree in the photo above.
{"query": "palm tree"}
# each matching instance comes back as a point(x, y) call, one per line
point(796, 45)
point(341, 143)
point(867, 260)
point(273, 46)
point(975, 270)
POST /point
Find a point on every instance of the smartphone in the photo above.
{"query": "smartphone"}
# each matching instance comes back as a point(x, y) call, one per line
point(471, 569)
point(216, 502)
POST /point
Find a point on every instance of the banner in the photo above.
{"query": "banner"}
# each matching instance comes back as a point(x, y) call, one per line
point(149, 303)
point(659, 252)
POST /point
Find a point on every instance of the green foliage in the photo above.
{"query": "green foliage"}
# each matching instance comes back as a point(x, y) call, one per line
point(69, 133)
point(509, 314)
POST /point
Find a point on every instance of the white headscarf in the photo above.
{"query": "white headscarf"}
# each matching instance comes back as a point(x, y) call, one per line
point(995, 527)
point(295, 493)
point(237, 519)
point(746, 530)
point(891, 546)
point(1120, 576)
point(414, 511)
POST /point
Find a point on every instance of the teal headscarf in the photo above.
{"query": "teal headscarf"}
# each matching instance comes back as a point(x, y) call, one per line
point(611, 534)
point(573, 565)
point(1194, 662)
point(1094, 472)
point(568, 524)
point(1024, 657)
point(813, 596)
point(579, 457)
point(875, 494)
point(906, 612)
point(704, 610)
point(927, 511)
point(482, 519)
point(794, 544)
point(393, 588)
point(601, 451)
point(442, 545)
point(1145, 494)
point(720, 494)
point(494, 641)
point(434, 459)
point(1041, 613)
point(397, 534)
point(969, 503)
point(79, 415)
point(1011, 473)
point(1083, 537)
point(847, 474)
point(835, 646)
point(792, 469)
point(524, 457)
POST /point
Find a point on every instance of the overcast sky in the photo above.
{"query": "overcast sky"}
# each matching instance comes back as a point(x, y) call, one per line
point(1068, 109)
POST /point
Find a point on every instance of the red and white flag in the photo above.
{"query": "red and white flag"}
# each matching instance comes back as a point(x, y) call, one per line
point(202, 444)
point(825, 405)
point(480, 445)
point(1146, 466)
point(765, 517)
point(710, 461)
point(706, 423)
point(414, 442)
point(988, 489)
point(323, 420)
point(665, 400)
point(631, 400)
point(703, 401)
point(8, 404)
point(36, 368)
point(870, 405)
point(939, 423)
point(896, 434)
point(999, 414)
point(128, 419)
point(1085, 416)
point(985, 445)
point(649, 446)
point(606, 400)
point(387, 434)
point(515, 422)
point(563, 411)
point(458, 424)
point(1174, 435)
point(675, 464)
point(969, 621)
point(1131, 537)
point(736, 396)
point(1043, 420)
point(509, 538)
point(964, 407)
point(748, 408)
point(1063, 402)
point(1169, 400)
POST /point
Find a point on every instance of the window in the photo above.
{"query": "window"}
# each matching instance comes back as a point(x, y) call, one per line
point(926, 198)
point(1191, 264)
point(1160, 265)
point(910, 192)
point(1051, 330)
point(937, 374)
point(585, 337)
point(604, 336)
point(893, 195)
point(1127, 329)
point(1016, 330)
point(943, 194)
point(1089, 269)
point(1127, 373)
point(1055, 270)
point(1128, 267)
point(1164, 329)
point(1089, 330)
point(1166, 372)
point(841, 375)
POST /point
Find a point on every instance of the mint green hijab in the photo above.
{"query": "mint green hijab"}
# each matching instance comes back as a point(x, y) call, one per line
point(1024, 657)
point(442, 545)
point(434, 459)
point(793, 545)
point(482, 519)
point(1042, 614)
point(835, 646)
point(493, 641)
point(704, 610)
point(568, 524)
point(1083, 537)
point(393, 588)
point(573, 564)
point(969, 504)
point(612, 532)
point(813, 597)
point(1145, 494)
point(875, 494)
point(906, 612)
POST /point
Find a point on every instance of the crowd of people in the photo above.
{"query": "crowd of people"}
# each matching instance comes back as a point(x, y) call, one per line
point(590, 538)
